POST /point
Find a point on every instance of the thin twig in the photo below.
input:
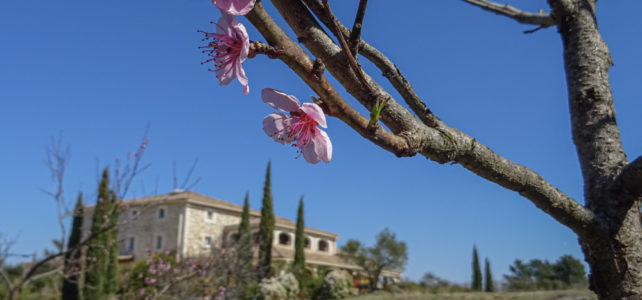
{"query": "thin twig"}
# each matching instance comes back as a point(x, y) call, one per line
point(356, 68)
point(541, 18)
point(387, 67)
point(355, 35)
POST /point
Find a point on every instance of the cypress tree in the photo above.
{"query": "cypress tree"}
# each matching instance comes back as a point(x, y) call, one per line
point(111, 238)
point(244, 253)
point(97, 250)
point(298, 266)
point(489, 287)
point(71, 283)
point(477, 275)
point(266, 229)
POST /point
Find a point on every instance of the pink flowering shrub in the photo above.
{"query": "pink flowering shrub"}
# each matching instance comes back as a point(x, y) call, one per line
point(299, 128)
point(161, 274)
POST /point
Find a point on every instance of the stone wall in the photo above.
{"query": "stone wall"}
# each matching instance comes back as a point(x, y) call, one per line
point(198, 226)
point(143, 224)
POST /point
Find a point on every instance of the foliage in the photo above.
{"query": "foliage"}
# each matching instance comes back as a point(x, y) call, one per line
point(387, 253)
point(71, 287)
point(266, 228)
point(160, 274)
point(272, 289)
point(244, 249)
point(336, 285)
point(98, 247)
point(570, 271)
point(489, 284)
point(298, 266)
point(111, 275)
point(476, 284)
point(542, 275)
point(290, 283)
point(311, 287)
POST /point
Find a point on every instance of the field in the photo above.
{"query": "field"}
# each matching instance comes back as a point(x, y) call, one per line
point(538, 295)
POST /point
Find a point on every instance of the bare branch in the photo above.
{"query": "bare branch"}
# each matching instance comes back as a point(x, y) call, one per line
point(356, 68)
point(389, 69)
point(541, 18)
point(355, 35)
point(189, 174)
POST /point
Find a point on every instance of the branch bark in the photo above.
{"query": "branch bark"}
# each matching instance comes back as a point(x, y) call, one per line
point(630, 179)
point(445, 144)
point(542, 19)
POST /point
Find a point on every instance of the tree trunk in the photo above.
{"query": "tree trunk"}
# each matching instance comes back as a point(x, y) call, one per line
point(614, 249)
point(615, 258)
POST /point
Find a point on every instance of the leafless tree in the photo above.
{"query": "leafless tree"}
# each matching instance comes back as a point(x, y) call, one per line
point(56, 161)
point(608, 225)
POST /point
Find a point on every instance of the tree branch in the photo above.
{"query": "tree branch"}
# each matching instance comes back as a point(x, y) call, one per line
point(332, 102)
point(542, 19)
point(355, 35)
point(445, 144)
point(389, 69)
point(631, 178)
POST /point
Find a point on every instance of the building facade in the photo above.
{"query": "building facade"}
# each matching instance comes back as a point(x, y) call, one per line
point(189, 224)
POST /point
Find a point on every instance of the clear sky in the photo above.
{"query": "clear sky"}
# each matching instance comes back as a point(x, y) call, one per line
point(99, 71)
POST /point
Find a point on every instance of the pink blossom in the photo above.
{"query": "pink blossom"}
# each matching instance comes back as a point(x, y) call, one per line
point(235, 7)
point(300, 127)
point(228, 49)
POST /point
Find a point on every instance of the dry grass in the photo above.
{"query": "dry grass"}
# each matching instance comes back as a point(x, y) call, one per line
point(538, 295)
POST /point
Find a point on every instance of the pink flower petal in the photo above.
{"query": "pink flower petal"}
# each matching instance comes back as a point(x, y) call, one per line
point(315, 112)
point(235, 7)
point(279, 100)
point(240, 75)
point(319, 149)
point(274, 127)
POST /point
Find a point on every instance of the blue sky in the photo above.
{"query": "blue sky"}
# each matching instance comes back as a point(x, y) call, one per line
point(99, 71)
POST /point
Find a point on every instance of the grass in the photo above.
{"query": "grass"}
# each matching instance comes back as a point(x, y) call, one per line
point(534, 295)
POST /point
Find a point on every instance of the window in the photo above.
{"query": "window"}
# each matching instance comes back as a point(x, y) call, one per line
point(130, 245)
point(208, 241)
point(307, 243)
point(323, 246)
point(209, 216)
point(284, 239)
point(135, 214)
point(161, 213)
point(159, 242)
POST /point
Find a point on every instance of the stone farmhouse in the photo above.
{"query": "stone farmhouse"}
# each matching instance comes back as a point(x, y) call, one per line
point(189, 224)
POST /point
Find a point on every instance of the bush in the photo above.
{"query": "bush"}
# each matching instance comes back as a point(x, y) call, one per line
point(336, 285)
point(272, 289)
point(291, 285)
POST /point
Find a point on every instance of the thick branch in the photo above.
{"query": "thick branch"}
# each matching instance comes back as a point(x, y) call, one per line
point(333, 103)
point(595, 132)
point(445, 144)
point(542, 19)
point(631, 178)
